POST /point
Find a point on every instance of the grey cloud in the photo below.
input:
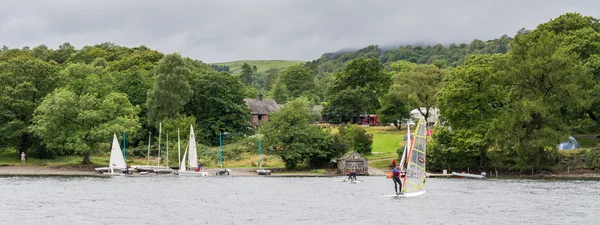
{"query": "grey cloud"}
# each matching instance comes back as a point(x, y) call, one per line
point(227, 30)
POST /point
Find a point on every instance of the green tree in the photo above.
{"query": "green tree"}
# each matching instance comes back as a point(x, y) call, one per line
point(24, 81)
point(543, 75)
point(247, 74)
point(298, 79)
point(357, 138)
point(419, 87)
point(271, 77)
point(357, 89)
point(70, 123)
point(472, 98)
point(393, 109)
point(171, 90)
point(218, 105)
point(291, 135)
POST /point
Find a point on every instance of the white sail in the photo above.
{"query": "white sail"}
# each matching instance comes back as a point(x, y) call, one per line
point(193, 156)
point(415, 169)
point(116, 155)
point(182, 165)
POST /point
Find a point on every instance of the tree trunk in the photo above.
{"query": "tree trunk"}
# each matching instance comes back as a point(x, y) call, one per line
point(23, 144)
point(482, 157)
point(86, 159)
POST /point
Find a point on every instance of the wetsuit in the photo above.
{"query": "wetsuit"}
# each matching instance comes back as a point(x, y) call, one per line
point(396, 178)
point(353, 174)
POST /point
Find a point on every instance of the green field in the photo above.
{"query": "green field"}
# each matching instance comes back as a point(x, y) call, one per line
point(235, 67)
point(386, 141)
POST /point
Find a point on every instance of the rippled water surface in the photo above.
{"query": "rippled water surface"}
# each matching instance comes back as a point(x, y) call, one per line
point(269, 200)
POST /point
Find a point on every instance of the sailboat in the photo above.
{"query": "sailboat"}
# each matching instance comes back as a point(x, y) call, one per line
point(260, 170)
point(117, 163)
point(415, 160)
point(192, 159)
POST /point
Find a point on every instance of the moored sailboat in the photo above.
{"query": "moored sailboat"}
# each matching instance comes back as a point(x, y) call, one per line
point(193, 169)
point(116, 165)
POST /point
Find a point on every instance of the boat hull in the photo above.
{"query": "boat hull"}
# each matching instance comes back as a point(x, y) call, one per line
point(263, 172)
point(468, 175)
point(192, 173)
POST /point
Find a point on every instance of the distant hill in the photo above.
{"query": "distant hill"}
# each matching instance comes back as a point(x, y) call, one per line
point(262, 65)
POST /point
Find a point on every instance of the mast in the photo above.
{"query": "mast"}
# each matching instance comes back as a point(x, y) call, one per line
point(221, 148)
point(159, 132)
point(149, 139)
point(178, 149)
point(167, 148)
point(259, 152)
point(124, 147)
point(406, 147)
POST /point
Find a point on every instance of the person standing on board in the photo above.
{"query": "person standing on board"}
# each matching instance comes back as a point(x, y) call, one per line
point(353, 175)
point(22, 158)
point(396, 179)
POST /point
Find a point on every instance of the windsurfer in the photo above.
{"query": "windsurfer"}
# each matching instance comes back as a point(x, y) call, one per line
point(396, 178)
point(353, 175)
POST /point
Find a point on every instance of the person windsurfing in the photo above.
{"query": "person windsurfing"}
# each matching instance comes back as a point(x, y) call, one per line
point(353, 175)
point(396, 179)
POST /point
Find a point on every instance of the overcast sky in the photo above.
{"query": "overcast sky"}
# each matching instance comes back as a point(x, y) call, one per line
point(227, 30)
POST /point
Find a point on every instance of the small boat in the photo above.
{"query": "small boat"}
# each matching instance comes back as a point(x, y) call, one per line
point(466, 175)
point(116, 165)
point(260, 170)
point(192, 159)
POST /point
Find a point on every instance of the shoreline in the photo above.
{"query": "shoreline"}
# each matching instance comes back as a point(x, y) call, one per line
point(38, 170)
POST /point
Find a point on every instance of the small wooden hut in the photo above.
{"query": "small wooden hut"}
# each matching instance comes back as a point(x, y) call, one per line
point(353, 160)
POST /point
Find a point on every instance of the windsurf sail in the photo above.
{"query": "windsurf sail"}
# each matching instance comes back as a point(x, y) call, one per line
point(116, 156)
point(415, 169)
point(406, 147)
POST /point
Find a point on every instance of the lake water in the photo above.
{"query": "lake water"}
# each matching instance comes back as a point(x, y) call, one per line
point(270, 200)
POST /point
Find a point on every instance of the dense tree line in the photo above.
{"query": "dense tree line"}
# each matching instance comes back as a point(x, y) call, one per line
point(504, 103)
point(69, 101)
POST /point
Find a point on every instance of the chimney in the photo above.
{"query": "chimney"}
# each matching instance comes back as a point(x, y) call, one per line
point(260, 97)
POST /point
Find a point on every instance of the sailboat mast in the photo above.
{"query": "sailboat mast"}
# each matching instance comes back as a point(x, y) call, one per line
point(221, 148)
point(159, 134)
point(259, 152)
point(178, 149)
point(124, 147)
point(149, 139)
point(167, 148)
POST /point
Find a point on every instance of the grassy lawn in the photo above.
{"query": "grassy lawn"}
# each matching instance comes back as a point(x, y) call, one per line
point(235, 67)
point(386, 141)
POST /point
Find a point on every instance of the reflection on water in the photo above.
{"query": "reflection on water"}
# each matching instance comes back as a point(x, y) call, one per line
point(264, 200)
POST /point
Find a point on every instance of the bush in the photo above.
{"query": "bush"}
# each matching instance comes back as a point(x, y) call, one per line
point(357, 138)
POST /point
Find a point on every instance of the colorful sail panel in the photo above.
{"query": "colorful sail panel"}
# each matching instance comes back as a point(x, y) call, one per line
point(415, 170)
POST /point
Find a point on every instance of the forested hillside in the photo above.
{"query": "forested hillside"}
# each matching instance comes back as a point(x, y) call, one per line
point(508, 101)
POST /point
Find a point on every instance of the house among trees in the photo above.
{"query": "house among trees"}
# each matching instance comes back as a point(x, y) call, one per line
point(353, 160)
point(261, 108)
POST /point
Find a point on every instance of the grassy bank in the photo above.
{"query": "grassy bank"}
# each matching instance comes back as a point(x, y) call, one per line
point(386, 142)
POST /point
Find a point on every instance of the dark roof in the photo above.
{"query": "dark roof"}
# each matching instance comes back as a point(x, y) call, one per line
point(353, 154)
point(263, 107)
